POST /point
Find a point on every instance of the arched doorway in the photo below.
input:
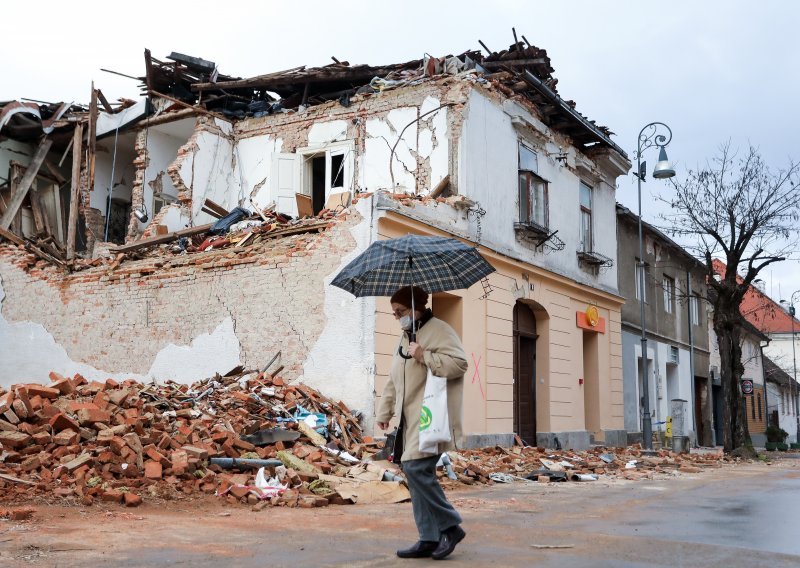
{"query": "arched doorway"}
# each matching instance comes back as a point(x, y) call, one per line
point(525, 373)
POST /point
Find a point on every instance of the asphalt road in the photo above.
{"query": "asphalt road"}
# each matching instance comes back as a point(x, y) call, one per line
point(744, 515)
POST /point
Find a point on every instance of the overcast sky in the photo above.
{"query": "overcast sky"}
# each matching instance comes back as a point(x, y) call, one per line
point(712, 70)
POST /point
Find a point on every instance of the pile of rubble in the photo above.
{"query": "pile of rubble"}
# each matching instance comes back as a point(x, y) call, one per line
point(504, 465)
point(118, 442)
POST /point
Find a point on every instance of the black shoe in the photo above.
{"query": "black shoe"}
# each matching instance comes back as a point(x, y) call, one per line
point(448, 541)
point(422, 549)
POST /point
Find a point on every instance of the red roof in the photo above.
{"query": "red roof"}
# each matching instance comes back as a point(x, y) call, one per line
point(767, 315)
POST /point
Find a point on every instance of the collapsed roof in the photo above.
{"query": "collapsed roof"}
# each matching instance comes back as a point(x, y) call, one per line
point(522, 69)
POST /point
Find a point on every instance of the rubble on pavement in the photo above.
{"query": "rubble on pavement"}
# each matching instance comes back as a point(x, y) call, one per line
point(118, 442)
point(540, 464)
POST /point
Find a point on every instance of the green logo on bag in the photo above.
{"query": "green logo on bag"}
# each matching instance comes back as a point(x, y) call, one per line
point(424, 418)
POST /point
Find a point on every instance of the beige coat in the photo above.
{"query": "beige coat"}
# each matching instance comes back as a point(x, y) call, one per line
point(403, 393)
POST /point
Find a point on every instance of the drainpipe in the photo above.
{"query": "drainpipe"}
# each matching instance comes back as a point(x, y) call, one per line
point(691, 353)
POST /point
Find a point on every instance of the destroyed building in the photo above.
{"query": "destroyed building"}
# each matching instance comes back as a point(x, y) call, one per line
point(119, 277)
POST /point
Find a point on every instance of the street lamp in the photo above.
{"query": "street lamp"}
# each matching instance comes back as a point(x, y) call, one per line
point(648, 137)
point(794, 364)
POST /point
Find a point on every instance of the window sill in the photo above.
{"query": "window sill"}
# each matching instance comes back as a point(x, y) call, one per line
point(540, 235)
point(594, 259)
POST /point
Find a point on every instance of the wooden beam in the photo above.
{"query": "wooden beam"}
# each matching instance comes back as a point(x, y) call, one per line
point(9, 236)
point(38, 214)
point(25, 184)
point(512, 63)
point(244, 83)
point(72, 223)
point(104, 102)
point(187, 105)
point(161, 239)
point(91, 140)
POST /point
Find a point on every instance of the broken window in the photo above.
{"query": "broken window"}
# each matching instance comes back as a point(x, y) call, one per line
point(323, 175)
point(585, 243)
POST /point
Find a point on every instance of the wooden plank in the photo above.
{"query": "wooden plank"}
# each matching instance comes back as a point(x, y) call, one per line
point(161, 239)
point(9, 236)
point(72, 222)
point(25, 184)
point(104, 102)
point(38, 215)
point(218, 209)
point(304, 206)
point(512, 63)
point(91, 140)
point(187, 105)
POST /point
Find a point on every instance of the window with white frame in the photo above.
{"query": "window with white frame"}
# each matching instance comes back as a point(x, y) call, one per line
point(694, 308)
point(585, 243)
point(641, 281)
point(532, 189)
point(668, 284)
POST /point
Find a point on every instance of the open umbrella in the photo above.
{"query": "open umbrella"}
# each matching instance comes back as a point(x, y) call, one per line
point(435, 264)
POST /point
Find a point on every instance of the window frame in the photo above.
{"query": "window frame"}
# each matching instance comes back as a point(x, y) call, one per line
point(585, 212)
point(640, 268)
point(694, 308)
point(532, 189)
point(668, 287)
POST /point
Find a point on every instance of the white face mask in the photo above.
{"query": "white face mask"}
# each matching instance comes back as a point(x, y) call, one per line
point(405, 322)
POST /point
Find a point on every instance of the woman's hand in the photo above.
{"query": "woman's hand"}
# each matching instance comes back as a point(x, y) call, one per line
point(383, 425)
point(417, 352)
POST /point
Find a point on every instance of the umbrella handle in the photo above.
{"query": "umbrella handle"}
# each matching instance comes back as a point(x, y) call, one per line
point(400, 347)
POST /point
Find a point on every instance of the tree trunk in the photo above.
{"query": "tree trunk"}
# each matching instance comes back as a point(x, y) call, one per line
point(734, 419)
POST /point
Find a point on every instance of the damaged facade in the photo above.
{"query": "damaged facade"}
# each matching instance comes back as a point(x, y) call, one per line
point(478, 148)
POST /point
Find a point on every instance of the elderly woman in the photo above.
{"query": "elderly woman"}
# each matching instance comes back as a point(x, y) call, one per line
point(438, 348)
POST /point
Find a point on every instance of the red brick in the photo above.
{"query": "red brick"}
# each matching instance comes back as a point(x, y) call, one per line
point(112, 496)
point(61, 384)
point(14, 440)
point(43, 391)
point(66, 438)
point(90, 416)
point(63, 422)
point(6, 401)
point(132, 500)
point(153, 470)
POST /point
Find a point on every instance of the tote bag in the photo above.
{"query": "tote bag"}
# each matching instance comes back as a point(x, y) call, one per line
point(434, 424)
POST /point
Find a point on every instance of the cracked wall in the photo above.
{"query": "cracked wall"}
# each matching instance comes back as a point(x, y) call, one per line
point(173, 317)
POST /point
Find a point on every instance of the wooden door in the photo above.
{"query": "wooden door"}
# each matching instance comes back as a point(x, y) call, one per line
point(525, 373)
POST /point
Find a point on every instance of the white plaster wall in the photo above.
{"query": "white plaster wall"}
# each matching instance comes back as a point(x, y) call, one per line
point(29, 353)
point(124, 172)
point(162, 149)
point(780, 350)
point(418, 139)
point(341, 363)
point(324, 133)
point(683, 384)
point(254, 160)
point(488, 163)
point(176, 218)
point(785, 408)
point(210, 173)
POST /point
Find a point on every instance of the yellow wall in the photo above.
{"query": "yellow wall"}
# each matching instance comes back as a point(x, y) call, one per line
point(487, 332)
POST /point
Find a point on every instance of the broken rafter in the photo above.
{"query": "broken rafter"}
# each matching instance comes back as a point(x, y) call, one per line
point(514, 63)
point(244, 83)
point(197, 109)
point(161, 239)
point(74, 194)
point(25, 184)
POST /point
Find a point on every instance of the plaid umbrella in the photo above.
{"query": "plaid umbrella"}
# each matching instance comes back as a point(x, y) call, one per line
point(435, 264)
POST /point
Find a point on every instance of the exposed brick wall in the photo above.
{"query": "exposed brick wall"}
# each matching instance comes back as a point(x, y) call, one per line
point(119, 319)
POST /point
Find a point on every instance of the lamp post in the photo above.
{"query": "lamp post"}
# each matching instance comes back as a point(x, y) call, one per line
point(648, 137)
point(794, 364)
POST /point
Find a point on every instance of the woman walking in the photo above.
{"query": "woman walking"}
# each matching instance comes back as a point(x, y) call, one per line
point(438, 348)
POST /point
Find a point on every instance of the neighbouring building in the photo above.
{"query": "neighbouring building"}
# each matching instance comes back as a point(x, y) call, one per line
point(480, 148)
point(779, 399)
point(676, 315)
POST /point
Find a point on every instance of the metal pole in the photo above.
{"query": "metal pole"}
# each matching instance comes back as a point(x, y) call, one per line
point(647, 424)
point(691, 352)
point(794, 365)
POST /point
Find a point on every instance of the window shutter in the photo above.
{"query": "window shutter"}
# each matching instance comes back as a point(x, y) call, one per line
point(285, 182)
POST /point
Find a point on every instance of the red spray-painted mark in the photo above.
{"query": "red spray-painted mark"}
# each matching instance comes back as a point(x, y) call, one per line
point(477, 374)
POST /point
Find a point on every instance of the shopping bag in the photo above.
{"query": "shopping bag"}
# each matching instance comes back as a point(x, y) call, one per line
point(434, 424)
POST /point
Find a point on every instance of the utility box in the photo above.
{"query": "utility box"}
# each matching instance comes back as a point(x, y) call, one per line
point(679, 411)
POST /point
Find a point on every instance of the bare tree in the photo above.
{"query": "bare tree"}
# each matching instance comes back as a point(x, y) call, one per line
point(746, 215)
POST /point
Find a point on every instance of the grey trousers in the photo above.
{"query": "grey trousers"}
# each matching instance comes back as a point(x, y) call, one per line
point(433, 513)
